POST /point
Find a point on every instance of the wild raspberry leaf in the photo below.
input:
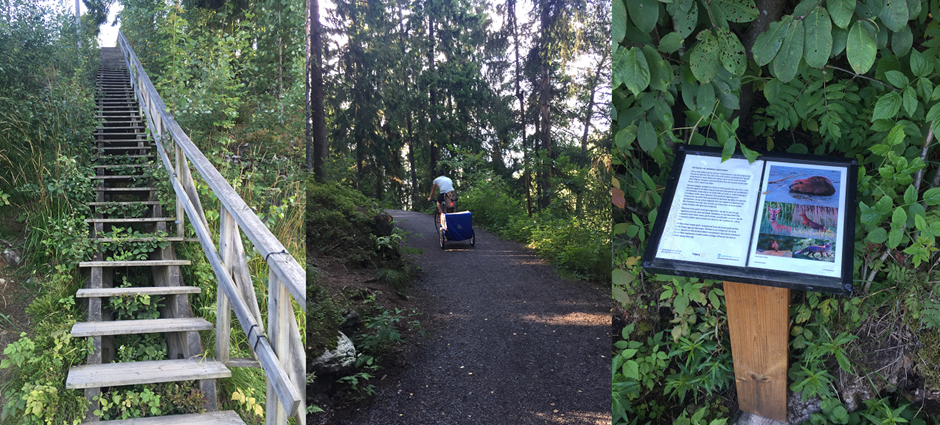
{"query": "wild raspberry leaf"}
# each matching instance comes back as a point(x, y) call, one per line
point(860, 49)
point(660, 71)
point(894, 14)
point(932, 196)
point(732, 52)
point(769, 42)
point(686, 18)
point(909, 101)
point(841, 12)
point(919, 65)
point(818, 38)
point(643, 14)
point(705, 57)
point(887, 106)
point(619, 23)
point(901, 41)
point(786, 63)
point(877, 236)
point(897, 79)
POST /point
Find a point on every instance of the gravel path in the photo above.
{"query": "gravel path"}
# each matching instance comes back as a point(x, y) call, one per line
point(509, 341)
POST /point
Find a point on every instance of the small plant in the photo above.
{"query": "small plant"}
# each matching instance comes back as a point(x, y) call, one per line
point(248, 402)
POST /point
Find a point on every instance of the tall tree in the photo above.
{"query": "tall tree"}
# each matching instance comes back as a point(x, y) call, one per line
point(316, 118)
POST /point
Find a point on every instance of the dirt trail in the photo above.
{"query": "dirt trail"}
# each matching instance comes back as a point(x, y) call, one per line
point(509, 341)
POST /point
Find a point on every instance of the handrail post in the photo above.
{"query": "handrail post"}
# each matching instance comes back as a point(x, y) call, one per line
point(279, 312)
point(223, 322)
point(180, 164)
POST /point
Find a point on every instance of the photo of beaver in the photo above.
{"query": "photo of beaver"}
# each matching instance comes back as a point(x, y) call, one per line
point(807, 186)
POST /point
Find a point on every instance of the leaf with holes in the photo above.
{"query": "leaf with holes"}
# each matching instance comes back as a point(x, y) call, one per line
point(740, 11)
point(818, 38)
point(769, 42)
point(732, 52)
point(643, 13)
point(686, 18)
point(704, 62)
point(894, 14)
point(860, 49)
point(787, 61)
point(619, 23)
point(634, 71)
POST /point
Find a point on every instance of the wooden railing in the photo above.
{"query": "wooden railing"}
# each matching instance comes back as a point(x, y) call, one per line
point(278, 348)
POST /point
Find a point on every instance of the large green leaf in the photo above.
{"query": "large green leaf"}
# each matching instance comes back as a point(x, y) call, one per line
point(932, 196)
point(841, 12)
point(732, 52)
point(895, 136)
point(768, 42)
point(646, 134)
point(860, 49)
point(634, 71)
point(643, 13)
point(686, 17)
point(901, 41)
point(879, 235)
point(887, 106)
point(738, 10)
point(787, 61)
point(660, 71)
point(619, 23)
point(894, 14)
point(705, 57)
point(670, 42)
point(818, 38)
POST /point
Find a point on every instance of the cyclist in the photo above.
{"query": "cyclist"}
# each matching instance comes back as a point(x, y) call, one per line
point(446, 185)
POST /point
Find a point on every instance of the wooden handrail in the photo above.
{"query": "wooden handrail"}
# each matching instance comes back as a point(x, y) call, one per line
point(283, 357)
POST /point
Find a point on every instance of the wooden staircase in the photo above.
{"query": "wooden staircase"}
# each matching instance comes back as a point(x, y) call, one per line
point(124, 151)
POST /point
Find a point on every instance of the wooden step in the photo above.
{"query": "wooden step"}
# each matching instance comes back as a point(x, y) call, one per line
point(134, 263)
point(125, 189)
point(130, 220)
point(95, 204)
point(116, 177)
point(149, 290)
point(146, 326)
point(149, 372)
point(227, 417)
point(167, 239)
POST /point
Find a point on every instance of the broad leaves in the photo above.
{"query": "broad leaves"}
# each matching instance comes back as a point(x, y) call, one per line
point(860, 49)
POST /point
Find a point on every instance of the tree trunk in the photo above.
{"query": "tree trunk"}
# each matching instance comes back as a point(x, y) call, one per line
point(768, 11)
point(592, 86)
point(433, 94)
point(411, 161)
point(545, 171)
point(520, 96)
point(317, 116)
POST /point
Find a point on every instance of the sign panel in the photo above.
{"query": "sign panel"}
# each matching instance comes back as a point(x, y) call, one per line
point(780, 221)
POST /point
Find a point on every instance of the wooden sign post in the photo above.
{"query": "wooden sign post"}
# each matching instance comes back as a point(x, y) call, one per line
point(776, 223)
point(758, 320)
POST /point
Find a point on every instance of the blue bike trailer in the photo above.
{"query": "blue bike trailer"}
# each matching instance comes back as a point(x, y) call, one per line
point(459, 226)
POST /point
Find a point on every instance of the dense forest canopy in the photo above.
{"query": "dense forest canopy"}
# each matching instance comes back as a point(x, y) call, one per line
point(418, 88)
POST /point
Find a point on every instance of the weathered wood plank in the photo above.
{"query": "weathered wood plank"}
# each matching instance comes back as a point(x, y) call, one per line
point(130, 220)
point(146, 326)
point(117, 292)
point(114, 374)
point(227, 417)
point(242, 362)
point(137, 263)
point(758, 321)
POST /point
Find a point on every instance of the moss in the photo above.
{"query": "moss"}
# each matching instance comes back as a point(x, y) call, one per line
point(325, 316)
point(339, 221)
point(928, 359)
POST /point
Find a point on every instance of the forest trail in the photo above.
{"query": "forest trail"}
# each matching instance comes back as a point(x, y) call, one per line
point(508, 340)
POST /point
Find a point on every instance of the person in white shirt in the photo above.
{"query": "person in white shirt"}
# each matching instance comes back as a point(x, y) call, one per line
point(446, 185)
